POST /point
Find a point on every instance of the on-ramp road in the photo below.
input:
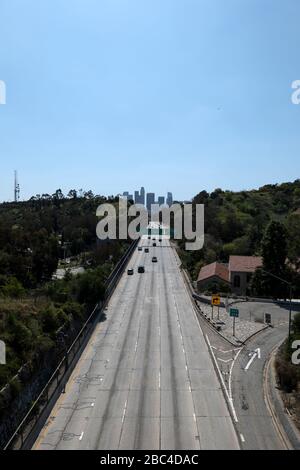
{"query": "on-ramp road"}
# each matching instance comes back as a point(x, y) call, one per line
point(146, 379)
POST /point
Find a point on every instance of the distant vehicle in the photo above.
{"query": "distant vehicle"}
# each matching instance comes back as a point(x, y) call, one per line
point(149, 238)
point(154, 259)
point(141, 269)
point(140, 248)
point(154, 244)
point(146, 250)
point(160, 240)
point(130, 272)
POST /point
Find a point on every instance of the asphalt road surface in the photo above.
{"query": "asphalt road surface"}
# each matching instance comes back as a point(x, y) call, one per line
point(146, 379)
point(255, 421)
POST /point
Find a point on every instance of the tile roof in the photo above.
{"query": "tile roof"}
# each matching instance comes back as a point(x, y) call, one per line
point(246, 264)
point(214, 269)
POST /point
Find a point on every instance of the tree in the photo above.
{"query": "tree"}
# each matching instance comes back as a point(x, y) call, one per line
point(72, 194)
point(274, 248)
point(274, 253)
point(293, 227)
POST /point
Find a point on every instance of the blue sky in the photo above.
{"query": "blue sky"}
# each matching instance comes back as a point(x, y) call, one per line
point(179, 95)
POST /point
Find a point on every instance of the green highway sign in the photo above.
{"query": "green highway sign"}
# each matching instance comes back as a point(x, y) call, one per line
point(234, 312)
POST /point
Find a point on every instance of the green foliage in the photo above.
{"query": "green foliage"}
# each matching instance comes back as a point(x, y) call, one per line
point(293, 228)
point(274, 248)
point(274, 253)
point(90, 288)
point(34, 235)
point(50, 319)
point(236, 222)
point(11, 287)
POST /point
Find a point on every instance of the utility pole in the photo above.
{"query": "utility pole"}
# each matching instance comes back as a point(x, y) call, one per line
point(17, 187)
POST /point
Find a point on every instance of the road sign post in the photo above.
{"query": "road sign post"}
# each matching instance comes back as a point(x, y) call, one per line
point(234, 313)
point(215, 300)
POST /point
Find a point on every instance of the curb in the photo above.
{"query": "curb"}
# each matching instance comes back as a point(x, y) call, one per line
point(286, 429)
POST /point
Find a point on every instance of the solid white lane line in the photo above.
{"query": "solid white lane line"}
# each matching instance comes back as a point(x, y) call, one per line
point(81, 436)
point(124, 411)
point(242, 438)
point(231, 370)
point(230, 401)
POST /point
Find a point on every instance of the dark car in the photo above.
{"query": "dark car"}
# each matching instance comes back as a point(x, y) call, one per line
point(154, 244)
point(130, 272)
point(160, 240)
point(141, 269)
point(154, 259)
point(140, 248)
point(146, 250)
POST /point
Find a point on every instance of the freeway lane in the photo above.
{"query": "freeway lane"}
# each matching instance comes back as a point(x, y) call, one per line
point(146, 379)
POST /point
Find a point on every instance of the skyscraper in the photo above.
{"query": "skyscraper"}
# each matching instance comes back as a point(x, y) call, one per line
point(169, 200)
point(142, 195)
point(161, 200)
point(150, 201)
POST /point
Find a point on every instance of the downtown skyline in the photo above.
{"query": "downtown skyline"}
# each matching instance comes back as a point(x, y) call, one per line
point(148, 198)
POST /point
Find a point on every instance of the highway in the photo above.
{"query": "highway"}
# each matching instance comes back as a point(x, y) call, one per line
point(146, 379)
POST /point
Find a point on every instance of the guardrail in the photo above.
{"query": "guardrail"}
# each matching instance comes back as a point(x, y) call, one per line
point(28, 430)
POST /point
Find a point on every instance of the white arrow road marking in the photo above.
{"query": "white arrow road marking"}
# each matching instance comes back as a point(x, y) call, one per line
point(257, 354)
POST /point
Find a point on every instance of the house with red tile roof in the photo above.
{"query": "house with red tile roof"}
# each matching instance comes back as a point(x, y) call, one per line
point(241, 270)
point(238, 274)
point(214, 274)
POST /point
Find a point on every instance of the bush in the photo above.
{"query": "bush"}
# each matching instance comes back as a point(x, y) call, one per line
point(11, 287)
point(90, 288)
point(73, 309)
point(50, 320)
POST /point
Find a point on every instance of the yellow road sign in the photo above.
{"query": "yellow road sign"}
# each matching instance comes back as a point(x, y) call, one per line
point(215, 300)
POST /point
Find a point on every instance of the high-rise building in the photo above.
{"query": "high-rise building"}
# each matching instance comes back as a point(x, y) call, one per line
point(150, 201)
point(142, 195)
point(169, 200)
point(161, 200)
point(136, 197)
